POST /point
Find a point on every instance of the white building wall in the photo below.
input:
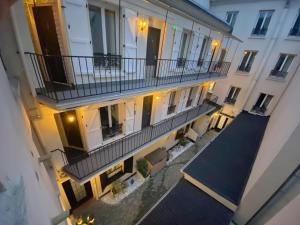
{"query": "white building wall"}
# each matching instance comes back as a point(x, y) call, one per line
point(269, 47)
point(25, 182)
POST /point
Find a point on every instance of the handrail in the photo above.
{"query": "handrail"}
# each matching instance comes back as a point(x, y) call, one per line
point(66, 77)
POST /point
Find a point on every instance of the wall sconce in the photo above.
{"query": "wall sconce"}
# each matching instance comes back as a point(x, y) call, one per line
point(71, 118)
point(215, 43)
point(142, 24)
point(157, 97)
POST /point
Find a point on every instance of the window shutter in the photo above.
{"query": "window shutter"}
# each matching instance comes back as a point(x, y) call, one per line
point(129, 116)
point(130, 40)
point(91, 122)
point(194, 51)
point(79, 35)
point(176, 47)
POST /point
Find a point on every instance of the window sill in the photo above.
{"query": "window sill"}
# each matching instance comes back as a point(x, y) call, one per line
point(257, 36)
point(242, 73)
point(274, 78)
point(229, 103)
point(292, 38)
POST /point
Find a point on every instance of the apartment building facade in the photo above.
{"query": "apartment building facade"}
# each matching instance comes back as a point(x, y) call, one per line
point(267, 60)
point(106, 83)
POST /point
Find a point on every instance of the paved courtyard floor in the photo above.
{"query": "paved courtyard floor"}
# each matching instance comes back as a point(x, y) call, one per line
point(133, 207)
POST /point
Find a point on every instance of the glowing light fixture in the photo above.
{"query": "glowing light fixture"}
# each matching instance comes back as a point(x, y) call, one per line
point(71, 118)
point(157, 97)
point(142, 24)
point(174, 26)
point(215, 43)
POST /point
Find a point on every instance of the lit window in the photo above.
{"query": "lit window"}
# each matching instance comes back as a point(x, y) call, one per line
point(247, 61)
point(282, 65)
point(263, 22)
point(231, 17)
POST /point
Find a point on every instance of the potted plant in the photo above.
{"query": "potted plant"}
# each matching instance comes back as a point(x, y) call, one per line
point(142, 167)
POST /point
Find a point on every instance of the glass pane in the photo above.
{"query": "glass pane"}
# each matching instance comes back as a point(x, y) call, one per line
point(266, 23)
point(250, 62)
point(203, 47)
point(259, 22)
point(183, 43)
point(104, 117)
point(229, 16)
point(233, 19)
point(279, 62)
point(231, 92)
point(237, 91)
point(267, 101)
point(96, 30)
point(114, 115)
point(110, 25)
point(259, 100)
point(222, 55)
point(245, 58)
point(172, 98)
point(297, 23)
point(287, 63)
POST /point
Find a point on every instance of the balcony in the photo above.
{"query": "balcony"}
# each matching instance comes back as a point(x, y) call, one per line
point(61, 79)
point(171, 109)
point(97, 160)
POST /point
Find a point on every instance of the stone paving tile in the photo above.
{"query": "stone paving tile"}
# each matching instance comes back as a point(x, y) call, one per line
point(133, 207)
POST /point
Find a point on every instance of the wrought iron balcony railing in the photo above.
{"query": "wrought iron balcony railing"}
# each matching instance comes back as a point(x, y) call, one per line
point(86, 165)
point(59, 78)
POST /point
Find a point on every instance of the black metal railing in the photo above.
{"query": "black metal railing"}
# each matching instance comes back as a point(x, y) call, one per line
point(109, 132)
point(60, 78)
point(230, 100)
point(107, 154)
point(277, 73)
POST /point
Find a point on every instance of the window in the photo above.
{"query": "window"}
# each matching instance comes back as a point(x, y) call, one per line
point(232, 95)
point(183, 49)
point(263, 22)
point(282, 65)
point(231, 17)
point(247, 61)
point(103, 32)
point(171, 105)
point(262, 103)
point(295, 31)
point(109, 116)
point(192, 95)
point(221, 57)
point(204, 50)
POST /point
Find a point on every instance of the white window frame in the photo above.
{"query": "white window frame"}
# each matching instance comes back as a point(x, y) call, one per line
point(266, 11)
point(284, 61)
point(103, 7)
point(233, 93)
point(263, 101)
point(232, 13)
point(248, 60)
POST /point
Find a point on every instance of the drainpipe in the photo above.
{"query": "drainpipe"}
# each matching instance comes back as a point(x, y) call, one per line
point(272, 43)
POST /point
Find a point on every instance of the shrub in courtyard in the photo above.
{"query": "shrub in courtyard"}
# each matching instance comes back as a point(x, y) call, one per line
point(142, 167)
point(118, 187)
point(183, 142)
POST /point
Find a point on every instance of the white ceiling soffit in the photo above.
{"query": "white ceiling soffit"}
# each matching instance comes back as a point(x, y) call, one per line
point(196, 13)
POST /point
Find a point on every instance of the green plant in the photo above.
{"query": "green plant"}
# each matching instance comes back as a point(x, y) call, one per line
point(118, 186)
point(183, 142)
point(142, 167)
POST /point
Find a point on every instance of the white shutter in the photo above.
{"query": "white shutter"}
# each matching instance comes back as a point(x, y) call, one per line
point(176, 47)
point(164, 107)
point(130, 40)
point(129, 116)
point(197, 96)
point(79, 35)
point(91, 122)
point(194, 51)
point(183, 98)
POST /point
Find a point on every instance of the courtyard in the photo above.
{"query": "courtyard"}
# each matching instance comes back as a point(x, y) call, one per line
point(132, 208)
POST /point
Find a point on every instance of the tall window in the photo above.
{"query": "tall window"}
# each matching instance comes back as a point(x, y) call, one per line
point(295, 31)
point(183, 48)
point(232, 95)
point(172, 105)
point(247, 61)
point(192, 96)
point(231, 17)
point(110, 125)
point(204, 50)
point(103, 31)
point(222, 57)
point(263, 22)
point(262, 103)
point(282, 65)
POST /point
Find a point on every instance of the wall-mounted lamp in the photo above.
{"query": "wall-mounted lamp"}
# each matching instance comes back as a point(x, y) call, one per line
point(215, 43)
point(142, 24)
point(157, 97)
point(71, 118)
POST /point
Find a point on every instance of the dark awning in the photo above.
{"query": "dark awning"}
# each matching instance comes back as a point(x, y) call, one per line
point(225, 165)
point(185, 204)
